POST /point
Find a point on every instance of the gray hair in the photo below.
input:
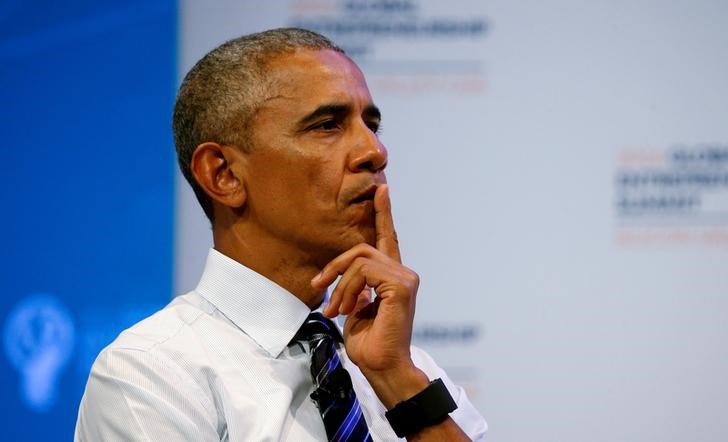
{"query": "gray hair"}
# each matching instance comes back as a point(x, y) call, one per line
point(221, 93)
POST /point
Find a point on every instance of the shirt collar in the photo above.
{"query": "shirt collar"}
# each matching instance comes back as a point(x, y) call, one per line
point(265, 311)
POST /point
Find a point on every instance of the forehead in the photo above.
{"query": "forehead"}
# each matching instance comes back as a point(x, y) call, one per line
point(309, 77)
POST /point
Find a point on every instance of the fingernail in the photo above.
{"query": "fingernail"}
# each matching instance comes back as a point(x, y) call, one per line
point(316, 278)
point(327, 311)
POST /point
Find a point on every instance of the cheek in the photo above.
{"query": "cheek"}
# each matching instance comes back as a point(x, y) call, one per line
point(301, 176)
point(316, 180)
point(297, 191)
point(320, 177)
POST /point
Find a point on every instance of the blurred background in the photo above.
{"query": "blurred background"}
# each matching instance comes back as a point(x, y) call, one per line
point(559, 174)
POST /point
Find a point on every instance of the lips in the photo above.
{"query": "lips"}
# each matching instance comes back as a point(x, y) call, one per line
point(365, 195)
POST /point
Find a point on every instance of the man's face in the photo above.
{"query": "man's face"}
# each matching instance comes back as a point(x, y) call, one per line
point(316, 157)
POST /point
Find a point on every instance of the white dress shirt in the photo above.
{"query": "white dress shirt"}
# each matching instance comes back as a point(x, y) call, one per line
point(216, 364)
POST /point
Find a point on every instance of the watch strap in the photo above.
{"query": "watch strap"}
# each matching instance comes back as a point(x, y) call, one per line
point(428, 407)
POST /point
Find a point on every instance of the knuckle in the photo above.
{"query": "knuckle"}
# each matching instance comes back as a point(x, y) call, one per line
point(363, 248)
point(359, 263)
point(413, 279)
point(391, 236)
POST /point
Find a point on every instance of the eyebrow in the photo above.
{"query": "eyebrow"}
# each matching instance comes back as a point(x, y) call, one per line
point(338, 109)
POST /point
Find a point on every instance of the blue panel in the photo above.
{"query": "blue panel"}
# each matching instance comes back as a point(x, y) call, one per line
point(87, 167)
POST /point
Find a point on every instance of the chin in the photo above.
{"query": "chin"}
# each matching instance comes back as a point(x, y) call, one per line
point(363, 234)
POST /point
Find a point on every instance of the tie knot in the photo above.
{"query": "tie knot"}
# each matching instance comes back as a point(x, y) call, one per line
point(317, 326)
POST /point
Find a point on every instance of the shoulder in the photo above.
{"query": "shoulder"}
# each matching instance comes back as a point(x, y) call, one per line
point(164, 346)
point(161, 348)
point(161, 327)
point(148, 373)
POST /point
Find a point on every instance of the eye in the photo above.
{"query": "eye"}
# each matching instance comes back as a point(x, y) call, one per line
point(327, 125)
point(375, 126)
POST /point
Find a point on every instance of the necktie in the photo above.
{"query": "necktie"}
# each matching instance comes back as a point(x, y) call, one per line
point(333, 394)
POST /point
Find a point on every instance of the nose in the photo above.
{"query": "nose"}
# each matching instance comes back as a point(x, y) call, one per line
point(368, 154)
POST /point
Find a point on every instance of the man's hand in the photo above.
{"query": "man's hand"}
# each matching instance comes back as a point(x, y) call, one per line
point(377, 334)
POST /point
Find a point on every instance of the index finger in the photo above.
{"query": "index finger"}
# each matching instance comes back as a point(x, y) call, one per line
point(384, 224)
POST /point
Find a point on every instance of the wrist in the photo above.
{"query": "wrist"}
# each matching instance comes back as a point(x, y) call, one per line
point(428, 408)
point(397, 384)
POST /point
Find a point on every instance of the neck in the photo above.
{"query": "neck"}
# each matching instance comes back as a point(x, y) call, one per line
point(287, 266)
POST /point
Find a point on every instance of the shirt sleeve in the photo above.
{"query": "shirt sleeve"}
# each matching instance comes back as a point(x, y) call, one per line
point(466, 415)
point(132, 395)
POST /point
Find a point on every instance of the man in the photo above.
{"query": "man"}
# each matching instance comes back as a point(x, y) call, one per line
point(277, 134)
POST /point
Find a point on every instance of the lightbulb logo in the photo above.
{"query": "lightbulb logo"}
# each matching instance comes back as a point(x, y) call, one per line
point(39, 338)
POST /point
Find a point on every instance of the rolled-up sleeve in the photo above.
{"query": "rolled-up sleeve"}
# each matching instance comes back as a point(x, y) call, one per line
point(466, 415)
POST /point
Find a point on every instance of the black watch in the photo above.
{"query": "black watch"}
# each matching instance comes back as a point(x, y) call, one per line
point(428, 407)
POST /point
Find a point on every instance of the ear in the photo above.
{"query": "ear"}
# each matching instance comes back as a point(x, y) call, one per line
point(219, 171)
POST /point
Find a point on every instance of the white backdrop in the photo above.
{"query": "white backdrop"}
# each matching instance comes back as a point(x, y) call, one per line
point(559, 173)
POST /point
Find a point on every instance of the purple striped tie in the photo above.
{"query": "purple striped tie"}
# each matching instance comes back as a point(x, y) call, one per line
point(333, 393)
